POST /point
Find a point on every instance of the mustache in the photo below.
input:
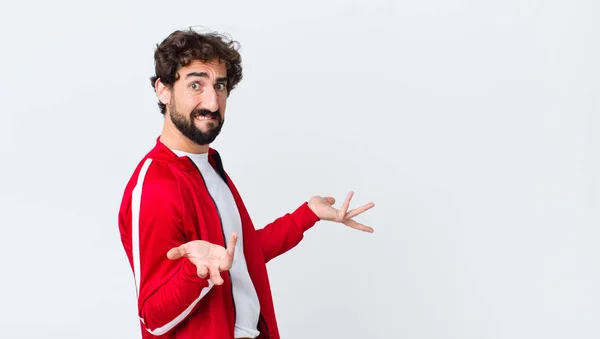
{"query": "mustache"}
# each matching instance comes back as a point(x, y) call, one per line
point(204, 112)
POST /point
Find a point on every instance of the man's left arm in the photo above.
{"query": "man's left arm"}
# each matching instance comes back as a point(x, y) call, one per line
point(287, 231)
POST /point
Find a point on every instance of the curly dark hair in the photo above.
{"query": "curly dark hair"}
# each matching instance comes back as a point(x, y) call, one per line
point(182, 47)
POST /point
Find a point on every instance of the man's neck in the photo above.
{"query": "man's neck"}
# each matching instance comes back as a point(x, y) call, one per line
point(173, 139)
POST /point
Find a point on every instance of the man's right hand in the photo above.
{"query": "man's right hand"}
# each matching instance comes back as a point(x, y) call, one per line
point(210, 259)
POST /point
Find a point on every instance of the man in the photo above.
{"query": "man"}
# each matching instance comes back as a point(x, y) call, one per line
point(180, 208)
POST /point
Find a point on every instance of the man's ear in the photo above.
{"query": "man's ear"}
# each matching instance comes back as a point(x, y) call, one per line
point(162, 92)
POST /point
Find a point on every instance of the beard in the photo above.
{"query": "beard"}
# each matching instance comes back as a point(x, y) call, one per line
point(188, 128)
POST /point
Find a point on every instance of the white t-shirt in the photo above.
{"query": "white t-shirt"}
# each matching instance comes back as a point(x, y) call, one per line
point(244, 295)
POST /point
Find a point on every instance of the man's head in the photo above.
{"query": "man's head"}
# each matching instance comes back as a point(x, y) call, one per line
point(195, 73)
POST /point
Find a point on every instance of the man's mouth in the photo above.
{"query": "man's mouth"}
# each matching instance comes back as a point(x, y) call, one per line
point(206, 115)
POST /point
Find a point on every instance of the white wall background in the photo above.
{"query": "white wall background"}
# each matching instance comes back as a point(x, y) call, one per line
point(471, 124)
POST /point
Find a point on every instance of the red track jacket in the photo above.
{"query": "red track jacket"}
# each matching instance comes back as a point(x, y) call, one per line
point(166, 204)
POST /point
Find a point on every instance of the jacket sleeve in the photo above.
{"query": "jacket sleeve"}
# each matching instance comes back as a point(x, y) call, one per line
point(285, 232)
point(167, 290)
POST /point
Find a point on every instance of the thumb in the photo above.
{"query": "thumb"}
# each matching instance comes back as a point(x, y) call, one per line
point(231, 244)
point(330, 200)
point(177, 252)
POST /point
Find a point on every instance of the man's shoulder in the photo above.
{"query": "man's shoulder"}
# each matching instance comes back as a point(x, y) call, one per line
point(154, 175)
point(155, 172)
point(153, 185)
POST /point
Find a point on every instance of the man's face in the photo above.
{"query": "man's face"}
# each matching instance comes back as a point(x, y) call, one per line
point(198, 99)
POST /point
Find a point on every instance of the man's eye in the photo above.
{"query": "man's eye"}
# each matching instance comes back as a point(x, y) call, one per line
point(195, 86)
point(220, 87)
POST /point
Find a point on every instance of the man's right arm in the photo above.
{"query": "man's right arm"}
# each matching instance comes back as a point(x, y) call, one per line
point(167, 290)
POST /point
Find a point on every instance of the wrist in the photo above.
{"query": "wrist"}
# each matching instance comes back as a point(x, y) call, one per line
point(304, 217)
point(312, 207)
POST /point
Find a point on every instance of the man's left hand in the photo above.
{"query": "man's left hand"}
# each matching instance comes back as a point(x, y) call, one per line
point(322, 207)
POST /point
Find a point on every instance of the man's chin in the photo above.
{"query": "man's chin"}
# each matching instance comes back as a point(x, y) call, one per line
point(208, 135)
point(205, 125)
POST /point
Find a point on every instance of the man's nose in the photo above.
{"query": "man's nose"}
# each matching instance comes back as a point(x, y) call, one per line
point(209, 101)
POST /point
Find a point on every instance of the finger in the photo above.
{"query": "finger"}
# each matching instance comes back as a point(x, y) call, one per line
point(354, 212)
point(231, 244)
point(202, 271)
point(177, 252)
point(226, 263)
point(330, 200)
point(346, 204)
point(358, 226)
point(215, 276)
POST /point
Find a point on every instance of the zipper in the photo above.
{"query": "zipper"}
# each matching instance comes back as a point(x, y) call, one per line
point(222, 232)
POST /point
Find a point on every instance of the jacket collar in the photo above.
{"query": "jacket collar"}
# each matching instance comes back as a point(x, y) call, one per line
point(162, 153)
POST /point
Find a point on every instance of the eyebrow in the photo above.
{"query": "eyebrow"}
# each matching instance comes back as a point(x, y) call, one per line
point(204, 75)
